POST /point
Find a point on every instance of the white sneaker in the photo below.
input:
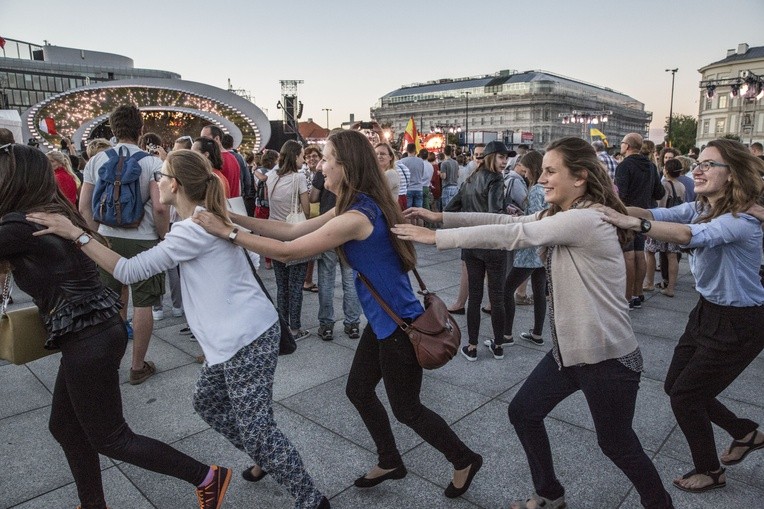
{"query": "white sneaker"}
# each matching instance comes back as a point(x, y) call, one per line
point(158, 314)
point(177, 312)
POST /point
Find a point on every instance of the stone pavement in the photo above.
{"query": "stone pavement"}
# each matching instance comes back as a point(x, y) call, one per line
point(311, 408)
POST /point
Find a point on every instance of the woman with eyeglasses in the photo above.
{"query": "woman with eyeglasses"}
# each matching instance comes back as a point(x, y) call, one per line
point(359, 228)
point(82, 319)
point(388, 166)
point(235, 323)
point(724, 332)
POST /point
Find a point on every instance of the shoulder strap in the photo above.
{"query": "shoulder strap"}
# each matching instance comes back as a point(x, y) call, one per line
point(397, 319)
point(257, 277)
point(673, 190)
point(6, 295)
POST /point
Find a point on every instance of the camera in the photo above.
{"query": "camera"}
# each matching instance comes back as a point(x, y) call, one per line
point(152, 149)
point(366, 125)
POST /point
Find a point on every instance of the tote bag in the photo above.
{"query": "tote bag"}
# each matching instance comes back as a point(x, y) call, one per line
point(22, 331)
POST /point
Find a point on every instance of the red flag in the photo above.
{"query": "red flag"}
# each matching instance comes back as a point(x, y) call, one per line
point(2, 43)
point(47, 125)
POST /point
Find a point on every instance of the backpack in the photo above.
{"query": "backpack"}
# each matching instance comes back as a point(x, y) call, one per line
point(511, 207)
point(117, 198)
point(673, 200)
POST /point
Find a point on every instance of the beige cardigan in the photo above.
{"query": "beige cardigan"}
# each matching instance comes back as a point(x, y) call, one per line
point(588, 274)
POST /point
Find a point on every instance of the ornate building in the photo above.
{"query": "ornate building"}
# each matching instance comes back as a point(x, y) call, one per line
point(529, 107)
point(731, 96)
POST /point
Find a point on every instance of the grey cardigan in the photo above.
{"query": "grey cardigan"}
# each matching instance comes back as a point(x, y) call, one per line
point(588, 271)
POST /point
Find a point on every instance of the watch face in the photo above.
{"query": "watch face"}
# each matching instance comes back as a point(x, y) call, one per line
point(83, 239)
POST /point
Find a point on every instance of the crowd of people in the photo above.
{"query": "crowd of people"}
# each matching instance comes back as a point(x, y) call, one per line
point(582, 225)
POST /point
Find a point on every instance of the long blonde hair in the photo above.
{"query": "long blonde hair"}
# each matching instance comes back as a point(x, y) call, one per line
point(193, 173)
point(66, 163)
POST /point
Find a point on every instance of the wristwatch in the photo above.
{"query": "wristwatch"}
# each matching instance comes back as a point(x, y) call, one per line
point(644, 226)
point(232, 236)
point(83, 239)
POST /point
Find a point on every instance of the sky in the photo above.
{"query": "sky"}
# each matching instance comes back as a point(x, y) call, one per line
point(351, 53)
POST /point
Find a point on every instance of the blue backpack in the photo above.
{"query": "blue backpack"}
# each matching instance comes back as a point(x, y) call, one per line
point(117, 198)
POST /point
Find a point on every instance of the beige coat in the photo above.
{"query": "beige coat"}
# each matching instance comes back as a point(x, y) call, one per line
point(588, 274)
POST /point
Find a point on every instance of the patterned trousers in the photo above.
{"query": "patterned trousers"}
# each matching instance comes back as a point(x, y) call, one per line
point(289, 279)
point(236, 399)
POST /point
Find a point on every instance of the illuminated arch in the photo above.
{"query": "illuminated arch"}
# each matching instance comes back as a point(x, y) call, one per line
point(79, 110)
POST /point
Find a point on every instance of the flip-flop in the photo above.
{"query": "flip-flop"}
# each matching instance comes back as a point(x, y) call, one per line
point(751, 446)
point(313, 288)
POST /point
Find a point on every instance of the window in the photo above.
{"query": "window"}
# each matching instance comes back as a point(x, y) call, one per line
point(36, 82)
point(25, 98)
point(708, 104)
point(27, 82)
point(706, 124)
point(12, 80)
point(59, 85)
point(719, 126)
point(722, 101)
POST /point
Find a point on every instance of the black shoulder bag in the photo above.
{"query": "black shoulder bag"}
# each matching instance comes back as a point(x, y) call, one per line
point(287, 344)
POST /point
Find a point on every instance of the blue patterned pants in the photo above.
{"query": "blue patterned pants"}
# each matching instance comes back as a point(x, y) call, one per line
point(236, 399)
point(289, 279)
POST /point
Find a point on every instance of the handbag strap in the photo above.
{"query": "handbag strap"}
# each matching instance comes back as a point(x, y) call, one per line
point(7, 287)
point(257, 277)
point(397, 319)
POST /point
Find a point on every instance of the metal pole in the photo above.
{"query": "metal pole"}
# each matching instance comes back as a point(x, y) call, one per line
point(327, 110)
point(671, 105)
point(467, 120)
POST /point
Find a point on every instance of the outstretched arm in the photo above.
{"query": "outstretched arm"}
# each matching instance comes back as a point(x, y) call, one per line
point(350, 225)
point(676, 233)
point(279, 230)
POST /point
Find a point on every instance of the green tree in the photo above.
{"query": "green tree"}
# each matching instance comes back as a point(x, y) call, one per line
point(684, 128)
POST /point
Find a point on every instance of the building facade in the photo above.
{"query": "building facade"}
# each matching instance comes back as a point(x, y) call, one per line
point(731, 96)
point(532, 107)
point(76, 89)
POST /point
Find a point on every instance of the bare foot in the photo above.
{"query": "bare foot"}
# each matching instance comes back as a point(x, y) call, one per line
point(256, 471)
point(377, 471)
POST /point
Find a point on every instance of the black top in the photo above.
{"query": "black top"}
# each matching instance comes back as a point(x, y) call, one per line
point(638, 182)
point(327, 200)
point(483, 191)
point(62, 281)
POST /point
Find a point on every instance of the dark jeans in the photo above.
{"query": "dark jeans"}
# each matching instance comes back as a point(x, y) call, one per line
point(86, 415)
point(538, 281)
point(393, 361)
point(610, 389)
point(289, 279)
point(718, 343)
point(493, 263)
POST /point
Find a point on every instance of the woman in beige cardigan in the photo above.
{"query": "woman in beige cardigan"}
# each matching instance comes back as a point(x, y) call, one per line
point(593, 346)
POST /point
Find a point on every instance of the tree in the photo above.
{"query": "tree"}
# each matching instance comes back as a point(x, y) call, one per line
point(684, 128)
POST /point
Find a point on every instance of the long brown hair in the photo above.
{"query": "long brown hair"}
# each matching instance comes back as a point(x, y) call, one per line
point(532, 160)
point(361, 174)
point(582, 162)
point(193, 173)
point(746, 187)
point(27, 184)
point(288, 158)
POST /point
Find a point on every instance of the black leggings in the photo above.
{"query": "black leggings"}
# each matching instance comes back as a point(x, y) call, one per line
point(86, 415)
point(493, 264)
point(538, 281)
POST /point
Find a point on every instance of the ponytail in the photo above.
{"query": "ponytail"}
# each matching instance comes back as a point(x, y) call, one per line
point(214, 198)
point(194, 174)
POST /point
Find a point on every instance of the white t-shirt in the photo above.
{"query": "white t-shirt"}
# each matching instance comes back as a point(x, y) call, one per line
point(280, 189)
point(146, 230)
point(225, 307)
point(429, 169)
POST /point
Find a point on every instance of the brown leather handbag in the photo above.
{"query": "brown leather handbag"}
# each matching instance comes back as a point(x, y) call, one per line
point(435, 335)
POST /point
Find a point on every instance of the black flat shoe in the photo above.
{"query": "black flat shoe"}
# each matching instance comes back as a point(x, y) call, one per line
point(365, 482)
point(454, 492)
point(486, 311)
point(324, 504)
point(247, 475)
point(459, 311)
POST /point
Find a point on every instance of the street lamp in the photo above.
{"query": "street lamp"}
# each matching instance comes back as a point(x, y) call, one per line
point(585, 118)
point(671, 106)
point(467, 119)
point(327, 110)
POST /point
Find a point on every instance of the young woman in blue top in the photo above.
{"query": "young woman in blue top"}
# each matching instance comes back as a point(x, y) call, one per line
point(723, 335)
point(359, 228)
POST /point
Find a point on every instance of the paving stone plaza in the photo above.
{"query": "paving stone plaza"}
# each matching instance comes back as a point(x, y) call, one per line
point(312, 409)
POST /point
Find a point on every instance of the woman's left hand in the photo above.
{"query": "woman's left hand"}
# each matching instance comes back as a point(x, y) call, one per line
point(757, 211)
point(56, 224)
point(620, 220)
point(414, 233)
point(212, 224)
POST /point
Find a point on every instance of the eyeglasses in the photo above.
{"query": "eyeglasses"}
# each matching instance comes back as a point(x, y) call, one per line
point(158, 176)
point(704, 166)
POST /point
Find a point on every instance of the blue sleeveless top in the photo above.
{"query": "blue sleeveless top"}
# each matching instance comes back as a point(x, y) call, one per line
point(376, 259)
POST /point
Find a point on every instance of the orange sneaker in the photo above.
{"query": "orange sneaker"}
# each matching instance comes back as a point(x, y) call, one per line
point(211, 496)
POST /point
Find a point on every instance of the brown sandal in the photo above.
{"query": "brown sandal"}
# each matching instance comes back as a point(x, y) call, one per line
point(750, 446)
